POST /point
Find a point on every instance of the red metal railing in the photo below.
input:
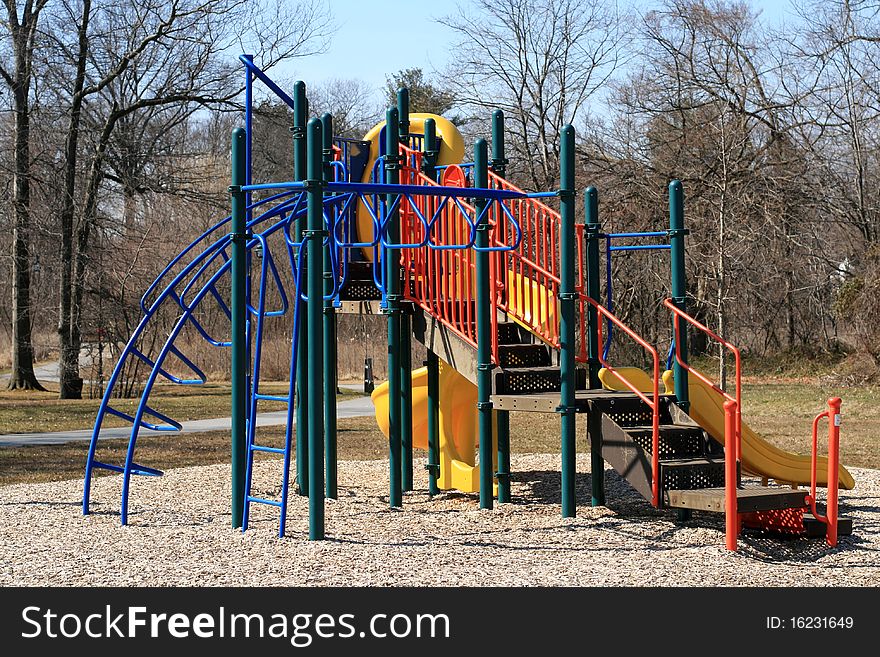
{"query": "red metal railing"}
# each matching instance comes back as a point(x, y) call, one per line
point(732, 417)
point(653, 402)
point(830, 517)
point(441, 281)
point(527, 278)
point(524, 281)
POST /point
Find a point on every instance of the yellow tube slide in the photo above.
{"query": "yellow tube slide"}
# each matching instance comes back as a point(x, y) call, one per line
point(458, 425)
point(451, 152)
point(759, 457)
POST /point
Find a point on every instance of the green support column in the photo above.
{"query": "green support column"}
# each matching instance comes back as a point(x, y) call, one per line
point(499, 161)
point(391, 265)
point(406, 439)
point(433, 466)
point(567, 321)
point(314, 316)
point(403, 115)
point(679, 284)
point(300, 111)
point(239, 325)
point(429, 161)
point(330, 380)
point(594, 420)
point(484, 329)
point(406, 463)
point(499, 166)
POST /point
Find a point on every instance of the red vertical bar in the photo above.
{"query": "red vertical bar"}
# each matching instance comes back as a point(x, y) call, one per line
point(833, 468)
point(730, 504)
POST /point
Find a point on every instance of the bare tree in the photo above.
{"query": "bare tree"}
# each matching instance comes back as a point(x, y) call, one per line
point(20, 36)
point(540, 61)
point(140, 69)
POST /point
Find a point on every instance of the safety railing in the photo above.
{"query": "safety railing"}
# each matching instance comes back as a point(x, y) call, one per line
point(653, 402)
point(677, 315)
point(439, 265)
point(527, 279)
point(830, 517)
point(732, 416)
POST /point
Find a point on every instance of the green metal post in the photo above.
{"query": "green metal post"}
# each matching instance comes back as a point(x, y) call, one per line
point(484, 329)
point(567, 321)
point(239, 324)
point(392, 282)
point(433, 467)
point(300, 111)
point(499, 161)
point(403, 114)
point(314, 315)
point(329, 333)
point(594, 420)
point(679, 284)
point(406, 447)
point(502, 419)
point(429, 162)
point(406, 435)
point(499, 166)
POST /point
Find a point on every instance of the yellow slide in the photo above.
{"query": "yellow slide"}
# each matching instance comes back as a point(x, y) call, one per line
point(458, 425)
point(759, 457)
point(458, 397)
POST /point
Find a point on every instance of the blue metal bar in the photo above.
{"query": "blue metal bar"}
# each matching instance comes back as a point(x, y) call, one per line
point(641, 247)
point(136, 469)
point(277, 398)
point(264, 448)
point(609, 299)
point(261, 500)
point(247, 60)
point(173, 425)
point(654, 233)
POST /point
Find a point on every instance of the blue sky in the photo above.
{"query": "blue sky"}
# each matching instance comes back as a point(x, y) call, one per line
point(364, 31)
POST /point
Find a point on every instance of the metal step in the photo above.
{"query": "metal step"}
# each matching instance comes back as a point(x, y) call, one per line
point(748, 500)
point(532, 379)
point(676, 441)
point(817, 529)
point(691, 474)
point(359, 285)
point(523, 355)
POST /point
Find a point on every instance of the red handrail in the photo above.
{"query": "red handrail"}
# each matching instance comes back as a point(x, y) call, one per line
point(653, 403)
point(677, 314)
point(830, 517)
point(534, 266)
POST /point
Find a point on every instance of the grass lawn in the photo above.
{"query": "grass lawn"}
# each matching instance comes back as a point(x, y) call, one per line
point(24, 411)
point(781, 411)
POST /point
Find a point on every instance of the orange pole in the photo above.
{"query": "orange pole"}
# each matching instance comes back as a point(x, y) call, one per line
point(731, 528)
point(833, 467)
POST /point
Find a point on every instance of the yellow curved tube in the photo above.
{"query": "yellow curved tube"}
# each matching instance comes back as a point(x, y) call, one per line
point(459, 424)
point(451, 152)
point(759, 457)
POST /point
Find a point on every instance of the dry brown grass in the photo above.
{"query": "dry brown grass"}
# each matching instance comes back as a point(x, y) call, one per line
point(781, 412)
point(24, 411)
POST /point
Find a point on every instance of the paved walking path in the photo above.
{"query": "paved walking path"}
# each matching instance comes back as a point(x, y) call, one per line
point(358, 407)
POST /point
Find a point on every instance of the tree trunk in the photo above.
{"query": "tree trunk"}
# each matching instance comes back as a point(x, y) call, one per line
point(22, 377)
point(70, 381)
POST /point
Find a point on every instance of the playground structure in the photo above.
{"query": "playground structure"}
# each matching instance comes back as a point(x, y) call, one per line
point(502, 290)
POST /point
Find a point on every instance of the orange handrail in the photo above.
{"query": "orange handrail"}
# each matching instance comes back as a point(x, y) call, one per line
point(830, 517)
point(653, 404)
point(677, 314)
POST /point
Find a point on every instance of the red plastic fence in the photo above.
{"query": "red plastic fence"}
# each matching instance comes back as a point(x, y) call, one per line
point(525, 281)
